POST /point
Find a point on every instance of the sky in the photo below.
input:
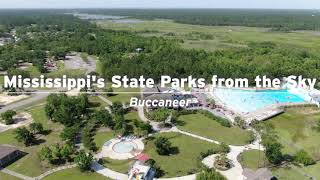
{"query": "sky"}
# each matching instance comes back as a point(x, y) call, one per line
point(262, 4)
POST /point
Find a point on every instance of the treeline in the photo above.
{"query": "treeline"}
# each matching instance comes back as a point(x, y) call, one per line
point(258, 59)
point(57, 34)
point(117, 53)
point(276, 19)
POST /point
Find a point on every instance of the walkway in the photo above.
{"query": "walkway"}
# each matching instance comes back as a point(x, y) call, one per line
point(20, 176)
point(105, 100)
point(98, 168)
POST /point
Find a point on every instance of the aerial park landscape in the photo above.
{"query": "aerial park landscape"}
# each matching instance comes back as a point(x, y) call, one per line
point(172, 94)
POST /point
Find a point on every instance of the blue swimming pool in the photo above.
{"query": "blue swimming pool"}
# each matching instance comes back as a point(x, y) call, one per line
point(124, 147)
point(251, 100)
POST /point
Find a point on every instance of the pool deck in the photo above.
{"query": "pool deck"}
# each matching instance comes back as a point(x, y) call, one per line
point(258, 115)
point(107, 150)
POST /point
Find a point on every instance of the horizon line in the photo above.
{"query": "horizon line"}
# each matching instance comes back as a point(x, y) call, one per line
point(143, 8)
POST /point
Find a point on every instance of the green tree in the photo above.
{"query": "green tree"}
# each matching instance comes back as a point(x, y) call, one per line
point(121, 126)
point(69, 134)
point(8, 117)
point(117, 108)
point(66, 151)
point(238, 121)
point(273, 153)
point(103, 117)
point(84, 160)
point(46, 154)
point(163, 146)
point(25, 136)
point(223, 148)
point(36, 128)
point(56, 152)
point(160, 115)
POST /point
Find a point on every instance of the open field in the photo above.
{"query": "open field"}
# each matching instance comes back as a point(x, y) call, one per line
point(30, 164)
point(252, 159)
point(295, 129)
point(288, 174)
point(216, 37)
point(204, 126)
point(185, 160)
point(75, 174)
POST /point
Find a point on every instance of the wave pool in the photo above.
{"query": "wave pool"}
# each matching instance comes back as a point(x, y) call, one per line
point(251, 100)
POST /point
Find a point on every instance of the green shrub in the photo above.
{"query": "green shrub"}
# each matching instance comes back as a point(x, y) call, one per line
point(210, 174)
point(8, 117)
point(163, 146)
point(302, 157)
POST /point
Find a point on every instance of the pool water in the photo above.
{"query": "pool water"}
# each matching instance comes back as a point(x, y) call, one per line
point(124, 147)
point(251, 100)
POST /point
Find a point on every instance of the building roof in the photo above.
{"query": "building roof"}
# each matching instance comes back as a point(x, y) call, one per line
point(155, 90)
point(142, 157)
point(5, 150)
point(160, 96)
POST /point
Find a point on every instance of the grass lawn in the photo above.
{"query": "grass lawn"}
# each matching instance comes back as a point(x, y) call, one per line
point(101, 137)
point(253, 159)
point(201, 125)
point(185, 160)
point(132, 115)
point(124, 94)
point(75, 174)
point(121, 166)
point(99, 67)
point(4, 176)
point(1, 80)
point(295, 129)
point(97, 103)
point(30, 164)
point(313, 170)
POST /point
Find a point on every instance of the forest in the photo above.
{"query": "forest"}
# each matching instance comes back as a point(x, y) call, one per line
point(52, 33)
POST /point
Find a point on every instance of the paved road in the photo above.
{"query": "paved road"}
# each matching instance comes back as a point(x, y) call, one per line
point(26, 102)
